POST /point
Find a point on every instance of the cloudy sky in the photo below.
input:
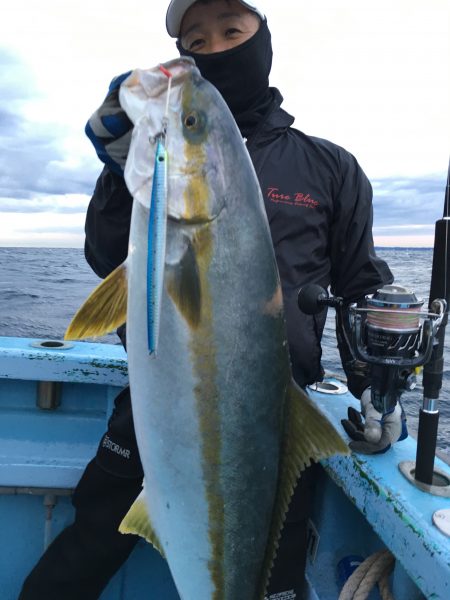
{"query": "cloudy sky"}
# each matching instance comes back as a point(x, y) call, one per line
point(370, 75)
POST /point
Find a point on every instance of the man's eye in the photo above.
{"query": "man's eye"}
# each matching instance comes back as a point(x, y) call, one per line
point(232, 31)
point(196, 44)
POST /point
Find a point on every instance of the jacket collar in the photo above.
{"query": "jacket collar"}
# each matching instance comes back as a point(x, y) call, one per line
point(262, 126)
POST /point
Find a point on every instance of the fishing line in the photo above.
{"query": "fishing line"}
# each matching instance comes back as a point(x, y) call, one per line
point(168, 74)
point(446, 218)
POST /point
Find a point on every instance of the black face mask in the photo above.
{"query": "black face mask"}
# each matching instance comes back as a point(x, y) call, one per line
point(241, 74)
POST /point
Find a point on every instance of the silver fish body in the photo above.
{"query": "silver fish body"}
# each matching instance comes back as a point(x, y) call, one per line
point(208, 408)
point(223, 433)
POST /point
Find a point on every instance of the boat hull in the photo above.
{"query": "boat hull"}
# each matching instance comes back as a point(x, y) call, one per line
point(362, 504)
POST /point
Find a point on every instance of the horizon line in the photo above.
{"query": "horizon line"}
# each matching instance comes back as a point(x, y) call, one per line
point(82, 248)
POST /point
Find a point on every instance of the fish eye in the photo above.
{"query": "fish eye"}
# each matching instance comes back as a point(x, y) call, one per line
point(194, 124)
point(191, 120)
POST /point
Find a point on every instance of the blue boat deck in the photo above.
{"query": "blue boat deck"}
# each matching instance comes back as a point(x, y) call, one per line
point(399, 514)
point(362, 503)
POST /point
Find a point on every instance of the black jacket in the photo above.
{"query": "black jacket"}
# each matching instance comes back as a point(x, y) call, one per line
point(319, 206)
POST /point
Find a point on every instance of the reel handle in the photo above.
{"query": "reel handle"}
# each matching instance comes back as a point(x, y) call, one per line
point(313, 298)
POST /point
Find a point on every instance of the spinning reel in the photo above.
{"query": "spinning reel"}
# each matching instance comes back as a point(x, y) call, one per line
point(390, 333)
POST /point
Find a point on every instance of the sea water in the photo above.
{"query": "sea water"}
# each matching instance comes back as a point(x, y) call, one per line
point(41, 288)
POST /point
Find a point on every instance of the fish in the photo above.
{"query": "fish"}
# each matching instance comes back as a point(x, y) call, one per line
point(223, 430)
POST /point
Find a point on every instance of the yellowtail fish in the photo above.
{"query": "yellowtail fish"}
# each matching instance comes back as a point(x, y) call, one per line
point(222, 429)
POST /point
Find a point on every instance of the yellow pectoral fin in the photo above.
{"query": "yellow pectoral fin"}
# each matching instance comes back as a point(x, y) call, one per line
point(309, 436)
point(137, 521)
point(104, 310)
point(183, 286)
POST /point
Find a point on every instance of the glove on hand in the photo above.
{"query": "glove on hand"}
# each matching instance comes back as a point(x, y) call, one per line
point(109, 129)
point(377, 432)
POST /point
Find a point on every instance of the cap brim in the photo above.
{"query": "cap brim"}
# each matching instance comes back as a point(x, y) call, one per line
point(178, 8)
point(175, 14)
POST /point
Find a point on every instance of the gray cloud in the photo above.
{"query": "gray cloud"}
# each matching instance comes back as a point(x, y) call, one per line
point(16, 83)
point(33, 165)
point(55, 204)
point(410, 202)
point(9, 122)
point(32, 160)
point(63, 229)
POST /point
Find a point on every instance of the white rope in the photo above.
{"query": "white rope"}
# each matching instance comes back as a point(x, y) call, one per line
point(385, 590)
point(375, 569)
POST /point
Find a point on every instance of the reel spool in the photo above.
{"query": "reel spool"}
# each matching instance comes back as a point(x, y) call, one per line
point(388, 335)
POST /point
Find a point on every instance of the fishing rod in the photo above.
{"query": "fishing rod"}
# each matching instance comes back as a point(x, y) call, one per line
point(387, 334)
point(433, 369)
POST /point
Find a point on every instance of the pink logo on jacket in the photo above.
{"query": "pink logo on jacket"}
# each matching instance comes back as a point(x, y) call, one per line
point(295, 199)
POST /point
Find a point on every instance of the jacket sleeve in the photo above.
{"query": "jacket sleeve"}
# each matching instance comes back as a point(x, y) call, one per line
point(108, 223)
point(357, 372)
point(356, 270)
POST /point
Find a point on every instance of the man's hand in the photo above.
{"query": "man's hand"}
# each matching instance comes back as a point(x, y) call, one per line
point(109, 129)
point(377, 432)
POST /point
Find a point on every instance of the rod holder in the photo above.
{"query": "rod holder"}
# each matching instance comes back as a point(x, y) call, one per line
point(440, 485)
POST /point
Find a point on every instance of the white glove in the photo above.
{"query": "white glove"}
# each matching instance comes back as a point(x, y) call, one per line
point(377, 432)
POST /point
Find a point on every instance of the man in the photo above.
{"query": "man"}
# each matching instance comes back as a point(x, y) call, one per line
point(319, 207)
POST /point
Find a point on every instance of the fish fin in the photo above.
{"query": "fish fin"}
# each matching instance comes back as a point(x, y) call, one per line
point(183, 285)
point(137, 521)
point(309, 437)
point(104, 310)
